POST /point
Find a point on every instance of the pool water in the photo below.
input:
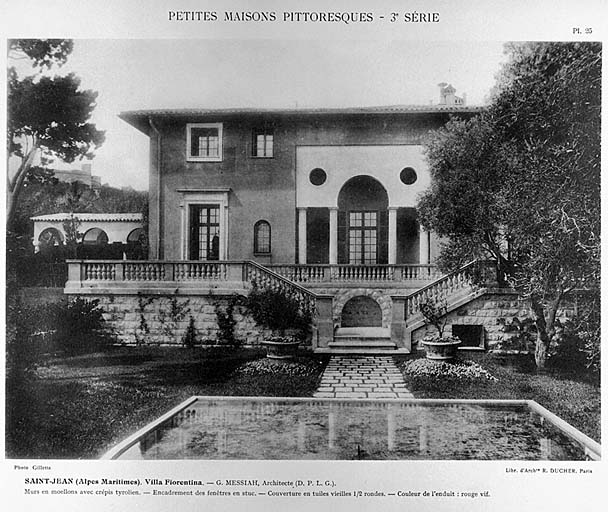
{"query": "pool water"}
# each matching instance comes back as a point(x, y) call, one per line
point(294, 429)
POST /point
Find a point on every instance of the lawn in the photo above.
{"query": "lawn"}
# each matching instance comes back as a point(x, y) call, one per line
point(81, 406)
point(573, 397)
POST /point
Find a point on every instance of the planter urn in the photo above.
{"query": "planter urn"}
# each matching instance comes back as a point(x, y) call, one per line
point(439, 349)
point(281, 349)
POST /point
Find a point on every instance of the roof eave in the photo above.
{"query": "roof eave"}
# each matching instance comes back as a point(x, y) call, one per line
point(140, 119)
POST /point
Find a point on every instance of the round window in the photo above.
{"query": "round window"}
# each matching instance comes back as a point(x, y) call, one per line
point(318, 176)
point(408, 176)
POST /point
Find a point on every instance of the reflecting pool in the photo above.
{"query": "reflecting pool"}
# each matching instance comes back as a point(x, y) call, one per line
point(280, 428)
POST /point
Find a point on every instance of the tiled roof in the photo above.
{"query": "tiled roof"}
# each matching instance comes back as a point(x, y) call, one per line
point(91, 217)
point(138, 118)
point(386, 109)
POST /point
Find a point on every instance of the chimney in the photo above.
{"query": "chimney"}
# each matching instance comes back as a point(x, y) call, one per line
point(447, 95)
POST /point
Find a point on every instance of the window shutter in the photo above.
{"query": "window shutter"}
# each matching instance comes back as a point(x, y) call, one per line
point(383, 237)
point(342, 237)
point(194, 212)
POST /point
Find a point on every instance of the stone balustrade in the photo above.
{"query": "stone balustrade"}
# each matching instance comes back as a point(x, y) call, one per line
point(449, 287)
point(317, 274)
point(84, 273)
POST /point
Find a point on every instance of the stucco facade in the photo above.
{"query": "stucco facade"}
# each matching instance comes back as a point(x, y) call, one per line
point(366, 159)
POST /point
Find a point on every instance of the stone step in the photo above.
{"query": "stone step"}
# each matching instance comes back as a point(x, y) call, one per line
point(362, 351)
point(359, 337)
point(344, 341)
point(368, 332)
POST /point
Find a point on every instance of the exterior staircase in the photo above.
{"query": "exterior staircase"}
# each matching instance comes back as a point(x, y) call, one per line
point(456, 288)
point(362, 341)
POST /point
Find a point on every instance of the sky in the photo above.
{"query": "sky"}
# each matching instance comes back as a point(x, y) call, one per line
point(193, 73)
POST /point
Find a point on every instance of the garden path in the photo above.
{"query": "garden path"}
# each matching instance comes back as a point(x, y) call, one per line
point(362, 377)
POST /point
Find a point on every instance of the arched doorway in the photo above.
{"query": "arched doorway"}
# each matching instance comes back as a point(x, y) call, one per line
point(363, 222)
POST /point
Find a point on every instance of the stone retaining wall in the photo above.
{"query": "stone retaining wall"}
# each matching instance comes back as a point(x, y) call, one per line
point(495, 311)
point(155, 319)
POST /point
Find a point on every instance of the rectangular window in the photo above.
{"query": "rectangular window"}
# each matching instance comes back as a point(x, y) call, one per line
point(263, 143)
point(363, 238)
point(204, 142)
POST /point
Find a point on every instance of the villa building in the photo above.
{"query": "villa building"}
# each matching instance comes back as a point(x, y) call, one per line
point(320, 202)
point(308, 186)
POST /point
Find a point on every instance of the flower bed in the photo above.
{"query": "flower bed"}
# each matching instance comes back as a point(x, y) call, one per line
point(299, 366)
point(459, 370)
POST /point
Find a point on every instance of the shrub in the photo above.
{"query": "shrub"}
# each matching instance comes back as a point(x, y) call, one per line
point(189, 339)
point(521, 333)
point(592, 351)
point(275, 309)
point(226, 322)
point(79, 326)
point(23, 349)
point(578, 350)
point(32, 331)
point(434, 312)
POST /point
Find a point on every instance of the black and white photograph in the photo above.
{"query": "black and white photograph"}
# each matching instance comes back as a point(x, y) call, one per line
point(303, 255)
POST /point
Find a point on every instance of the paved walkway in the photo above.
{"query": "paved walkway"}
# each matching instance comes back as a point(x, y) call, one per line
point(362, 377)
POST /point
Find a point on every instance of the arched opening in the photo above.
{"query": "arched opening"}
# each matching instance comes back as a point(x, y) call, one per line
point(50, 237)
point(135, 236)
point(361, 311)
point(363, 222)
point(95, 236)
point(136, 245)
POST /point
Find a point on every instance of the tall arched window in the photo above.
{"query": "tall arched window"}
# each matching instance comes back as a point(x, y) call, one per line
point(261, 237)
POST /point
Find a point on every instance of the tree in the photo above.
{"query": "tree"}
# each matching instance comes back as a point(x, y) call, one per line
point(47, 116)
point(468, 165)
point(521, 182)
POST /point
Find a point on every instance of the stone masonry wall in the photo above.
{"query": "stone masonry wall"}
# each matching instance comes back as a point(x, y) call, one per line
point(154, 319)
point(495, 312)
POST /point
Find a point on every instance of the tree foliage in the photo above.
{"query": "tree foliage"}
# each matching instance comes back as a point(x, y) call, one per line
point(520, 183)
point(48, 116)
point(41, 52)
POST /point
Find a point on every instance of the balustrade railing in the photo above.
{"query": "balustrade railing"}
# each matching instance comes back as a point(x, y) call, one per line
point(99, 271)
point(143, 271)
point(194, 270)
point(454, 283)
point(343, 273)
point(271, 275)
point(83, 271)
point(266, 278)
